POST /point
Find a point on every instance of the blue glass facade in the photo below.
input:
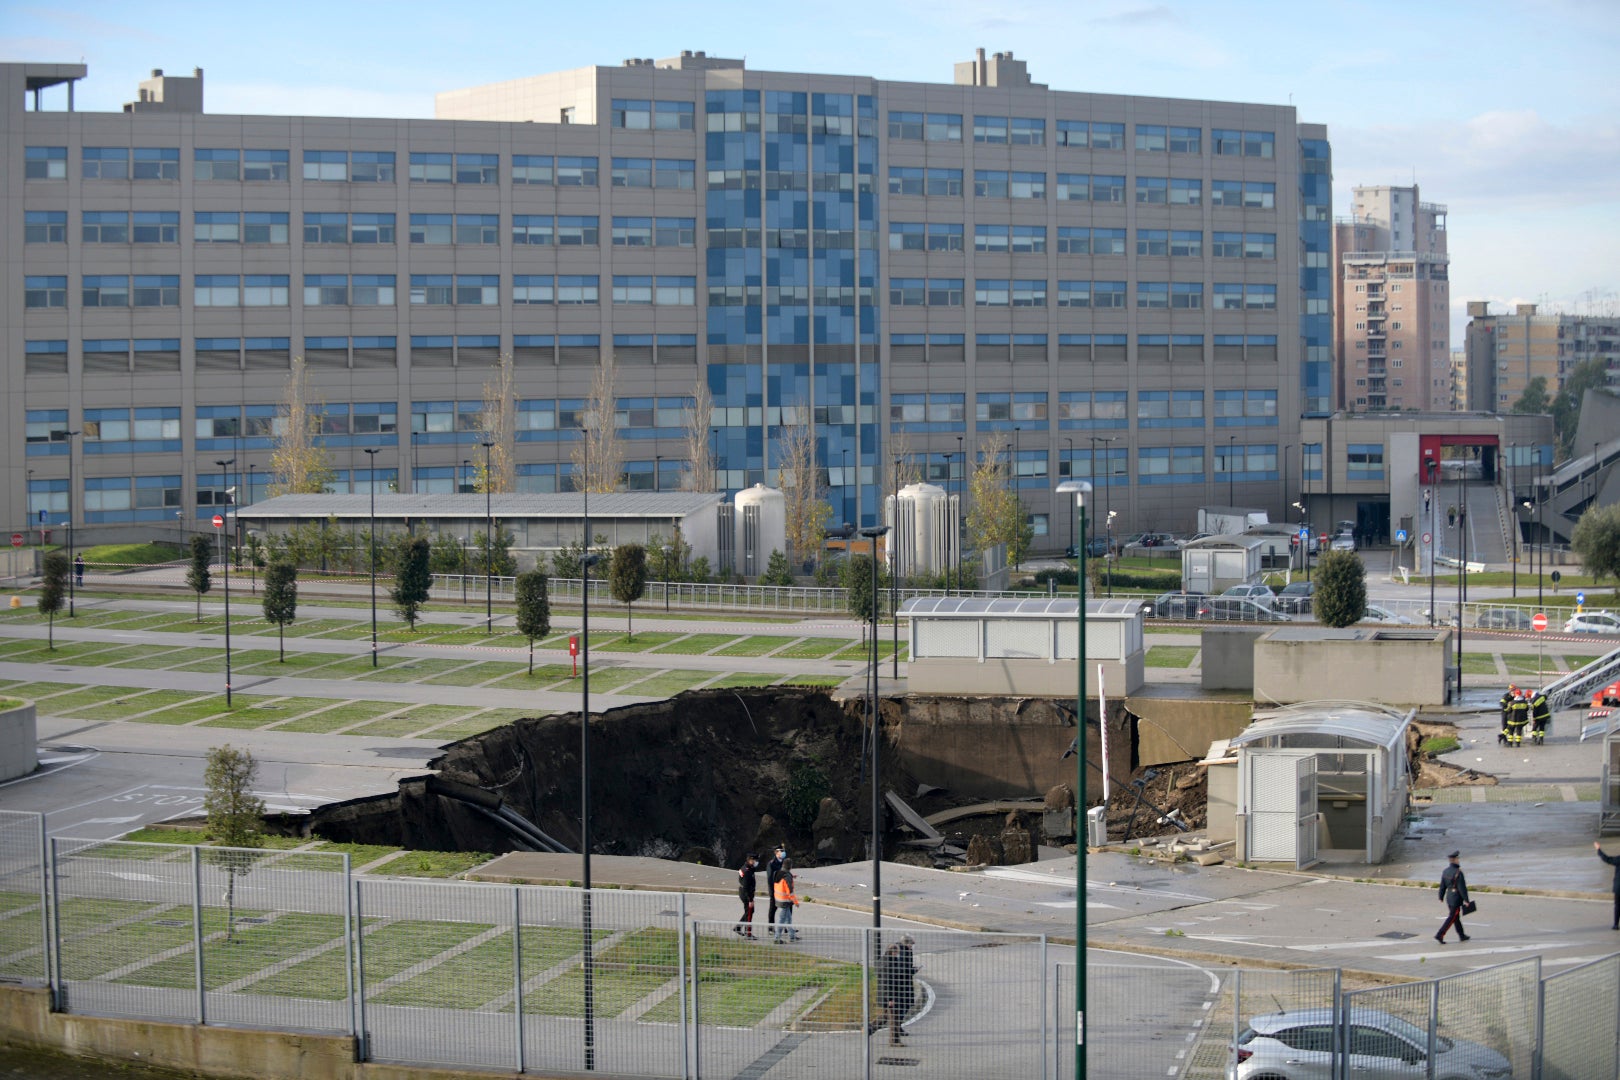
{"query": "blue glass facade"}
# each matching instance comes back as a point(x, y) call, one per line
point(1316, 276)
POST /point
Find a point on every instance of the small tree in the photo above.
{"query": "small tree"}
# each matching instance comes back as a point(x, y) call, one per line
point(1596, 540)
point(627, 579)
point(235, 817)
point(864, 604)
point(198, 575)
point(412, 577)
point(777, 570)
point(52, 588)
point(281, 599)
point(532, 590)
point(667, 560)
point(1341, 589)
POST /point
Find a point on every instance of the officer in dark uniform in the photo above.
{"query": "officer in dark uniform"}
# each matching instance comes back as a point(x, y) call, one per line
point(1454, 894)
point(1540, 716)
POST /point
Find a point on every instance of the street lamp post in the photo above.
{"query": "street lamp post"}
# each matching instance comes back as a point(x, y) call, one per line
point(1304, 542)
point(489, 539)
point(371, 482)
point(1434, 533)
point(961, 519)
point(894, 573)
point(225, 568)
point(844, 476)
point(714, 441)
point(585, 563)
point(658, 463)
point(1109, 527)
point(1071, 474)
point(253, 567)
point(1231, 473)
point(1513, 452)
point(1080, 488)
point(872, 533)
point(1108, 488)
point(72, 570)
point(1462, 568)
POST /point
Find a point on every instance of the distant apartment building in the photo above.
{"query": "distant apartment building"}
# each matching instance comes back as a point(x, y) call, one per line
point(1505, 352)
point(1392, 322)
point(1129, 290)
point(1459, 379)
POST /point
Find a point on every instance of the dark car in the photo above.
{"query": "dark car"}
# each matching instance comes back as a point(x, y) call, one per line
point(1296, 597)
point(1242, 609)
point(1178, 605)
point(1503, 618)
point(1096, 548)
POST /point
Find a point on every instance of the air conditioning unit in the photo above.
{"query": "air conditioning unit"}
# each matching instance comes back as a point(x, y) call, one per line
point(1097, 826)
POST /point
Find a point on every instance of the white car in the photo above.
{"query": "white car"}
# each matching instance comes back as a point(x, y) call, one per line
point(1593, 622)
point(1378, 614)
point(1345, 541)
point(1298, 1045)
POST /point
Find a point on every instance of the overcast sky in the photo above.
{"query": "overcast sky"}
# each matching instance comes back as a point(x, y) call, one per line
point(1507, 113)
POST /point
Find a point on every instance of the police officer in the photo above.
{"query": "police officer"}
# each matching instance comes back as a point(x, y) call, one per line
point(1540, 716)
point(1518, 717)
point(1506, 705)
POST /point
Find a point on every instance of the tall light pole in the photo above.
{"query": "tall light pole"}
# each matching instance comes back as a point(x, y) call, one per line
point(1462, 567)
point(1109, 526)
point(1433, 531)
point(225, 567)
point(371, 481)
point(1072, 546)
point(845, 485)
point(72, 570)
point(585, 563)
point(658, 463)
point(1108, 488)
point(961, 518)
point(1231, 470)
point(894, 573)
point(714, 441)
point(872, 533)
point(253, 568)
point(1535, 508)
point(1080, 488)
point(489, 537)
point(1513, 449)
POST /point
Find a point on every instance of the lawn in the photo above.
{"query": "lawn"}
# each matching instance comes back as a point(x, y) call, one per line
point(1478, 664)
point(431, 864)
point(408, 670)
point(102, 948)
point(356, 667)
point(1528, 663)
point(199, 708)
point(216, 663)
point(482, 672)
point(757, 645)
point(476, 724)
point(388, 950)
point(668, 684)
point(544, 675)
point(132, 554)
point(861, 652)
point(744, 678)
point(1170, 656)
point(257, 712)
point(339, 716)
point(609, 679)
point(144, 655)
point(255, 946)
point(696, 644)
point(815, 680)
point(133, 702)
point(83, 698)
point(296, 663)
point(34, 691)
point(812, 648)
point(483, 973)
point(642, 642)
point(392, 727)
point(308, 627)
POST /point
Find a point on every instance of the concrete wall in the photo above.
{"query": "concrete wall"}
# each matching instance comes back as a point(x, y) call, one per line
point(19, 742)
point(1181, 728)
point(1221, 812)
point(1227, 662)
point(1002, 676)
point(1395, 667)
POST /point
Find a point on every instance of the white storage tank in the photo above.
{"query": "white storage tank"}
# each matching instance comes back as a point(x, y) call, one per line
point(760, 522)
point(922, 523)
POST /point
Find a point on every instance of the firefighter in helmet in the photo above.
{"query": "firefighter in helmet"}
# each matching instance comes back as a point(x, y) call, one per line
point(1540, 716)
point(1506, 705)
point(1518, 717)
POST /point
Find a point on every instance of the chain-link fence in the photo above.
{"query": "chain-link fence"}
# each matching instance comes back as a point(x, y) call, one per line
point(232, 935)
point(1580, 1021)
point(1145, 1016)
point(523, 977)
point(854, 1002)
point(1480, 1023)
point(24, 943)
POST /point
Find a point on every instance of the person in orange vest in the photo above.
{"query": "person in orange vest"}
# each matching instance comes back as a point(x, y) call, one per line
point(785, 902)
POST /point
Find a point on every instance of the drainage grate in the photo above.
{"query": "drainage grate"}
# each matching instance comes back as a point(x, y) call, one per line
point(898, 1061)
point(1398, 935)
point(172, 922)
point(253, 919)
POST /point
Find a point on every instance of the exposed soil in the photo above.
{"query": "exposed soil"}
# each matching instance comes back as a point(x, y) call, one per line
point(1430, 772)
point(1180, 787)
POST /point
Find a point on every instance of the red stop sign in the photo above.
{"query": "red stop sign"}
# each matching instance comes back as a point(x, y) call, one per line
point(16, 539)
point(1538, 622)
point(219, 521)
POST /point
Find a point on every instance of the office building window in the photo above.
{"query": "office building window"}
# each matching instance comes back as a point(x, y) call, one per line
point(1152, 242)
point(906, 180)
point(478, 168)
point(578, 289)
point(906, 125)
point(537, 229)
point(264, 290)
point(432, 289)
point(478, 289)
point(1260, 246)
point(1028, 131)
point(534, 289)
point(1184, 192)
point(1186, 243)
point(371, 229)
point(104, 162)
point(990, 183)
point(372, 290)
point(216, 227)
point(1153, 190)
point(1226, 245)
point(216, 290)
point(1186, 140)
point(45, 163)
point(432, 228)
point(44, 291)
point(326, 228)
point(576, 172)
point(427, 168)
point(264, 165)
point(326, 165)
point(1150, 138)
point(946, 292)
point(1029, 292)
point(216, 164)
point(156, 227)
point(1074, 294)
point(1187, 295)
point(106, 290)
point(577, 230)
point(536, 169)
point(156, 163)
point(326, 290)
point(478, 228)
point(372, 166)
point(264, 227)
point(105, 227)
point(943, 127)
point(45, 226)
point(990, 129)
point(1153, 294)
point(675, 232)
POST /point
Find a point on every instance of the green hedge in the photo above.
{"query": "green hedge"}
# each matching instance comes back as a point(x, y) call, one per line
point(1160, 580)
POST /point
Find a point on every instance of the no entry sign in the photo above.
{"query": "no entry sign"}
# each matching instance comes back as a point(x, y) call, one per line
point(16, 539)
point(1538, 622)
point(219, 521)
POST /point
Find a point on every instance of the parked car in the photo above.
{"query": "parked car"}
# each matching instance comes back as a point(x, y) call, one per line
point(1593, 622)
point(1296, 597)
point(1380, 614)
point(1260, 594)
point(1154, 539)
point(1096, 548)
point(1503, 618)
point(1298, 1045)
point(1177, 605)
point(1344, 541)
point(1239, 609)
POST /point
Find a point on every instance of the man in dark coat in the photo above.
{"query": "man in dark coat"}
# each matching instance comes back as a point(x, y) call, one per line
point(773, 870)
point(746, 885)
point(1614, 861)
point(895, 986)
point(1454, 892)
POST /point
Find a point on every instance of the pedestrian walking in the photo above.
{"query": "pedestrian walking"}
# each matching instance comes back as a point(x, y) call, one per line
point(773, 870)
point(78, 570)
point(745, 892)
point(785, 903)
point(896, 988)
point(1454, 893)
point(1540, 716)
point(1614, 861)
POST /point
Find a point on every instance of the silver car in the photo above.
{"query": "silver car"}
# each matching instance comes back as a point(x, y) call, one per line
point(1298, 1045)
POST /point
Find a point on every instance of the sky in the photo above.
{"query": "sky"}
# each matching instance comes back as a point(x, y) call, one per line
point(1506, 113)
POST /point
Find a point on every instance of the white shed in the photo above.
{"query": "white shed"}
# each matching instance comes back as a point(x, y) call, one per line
point(1216, 563)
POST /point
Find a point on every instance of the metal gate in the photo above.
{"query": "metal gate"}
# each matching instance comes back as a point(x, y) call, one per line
point(1281, 797)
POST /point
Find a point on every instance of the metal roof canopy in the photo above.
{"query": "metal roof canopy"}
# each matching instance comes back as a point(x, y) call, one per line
point(1358, 723)
point(1043, 607)
point(1226, 541)
point(570, 504)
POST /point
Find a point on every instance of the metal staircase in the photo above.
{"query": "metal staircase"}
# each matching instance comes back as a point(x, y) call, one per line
point(1578, 685)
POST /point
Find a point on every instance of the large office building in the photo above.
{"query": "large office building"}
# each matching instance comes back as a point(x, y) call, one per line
point(1505, 352)
point(1392, 331)
point(1130, 290)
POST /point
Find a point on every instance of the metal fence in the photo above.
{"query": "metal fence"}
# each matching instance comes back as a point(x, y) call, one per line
point(1580, 1022)
point(227, 935)
point(24, 942)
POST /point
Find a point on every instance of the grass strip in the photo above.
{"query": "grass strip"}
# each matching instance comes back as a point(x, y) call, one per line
point(136, 701)
point(476, 724)
point(350, 712)
point(412, 669)
point(1170, 656)
point(607, 680)
point(814, 680)
point(484, 972)
point(252, 947)
point(668, 684)
point(757, 645)
point(253, 712)
point(696, 644)
point(188, 711)
point(813, 648)
point(642, 642)
point(388, 950)
point(432, 864)
point(482, 672)
point(739, 679)
point(544, 675)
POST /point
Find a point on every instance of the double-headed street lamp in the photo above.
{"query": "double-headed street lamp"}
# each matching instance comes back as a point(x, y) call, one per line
point(225, 565)
point(371, 482)
point(489, 535)
point(586, 561)
point(1535, 508)
point(1080, 489)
